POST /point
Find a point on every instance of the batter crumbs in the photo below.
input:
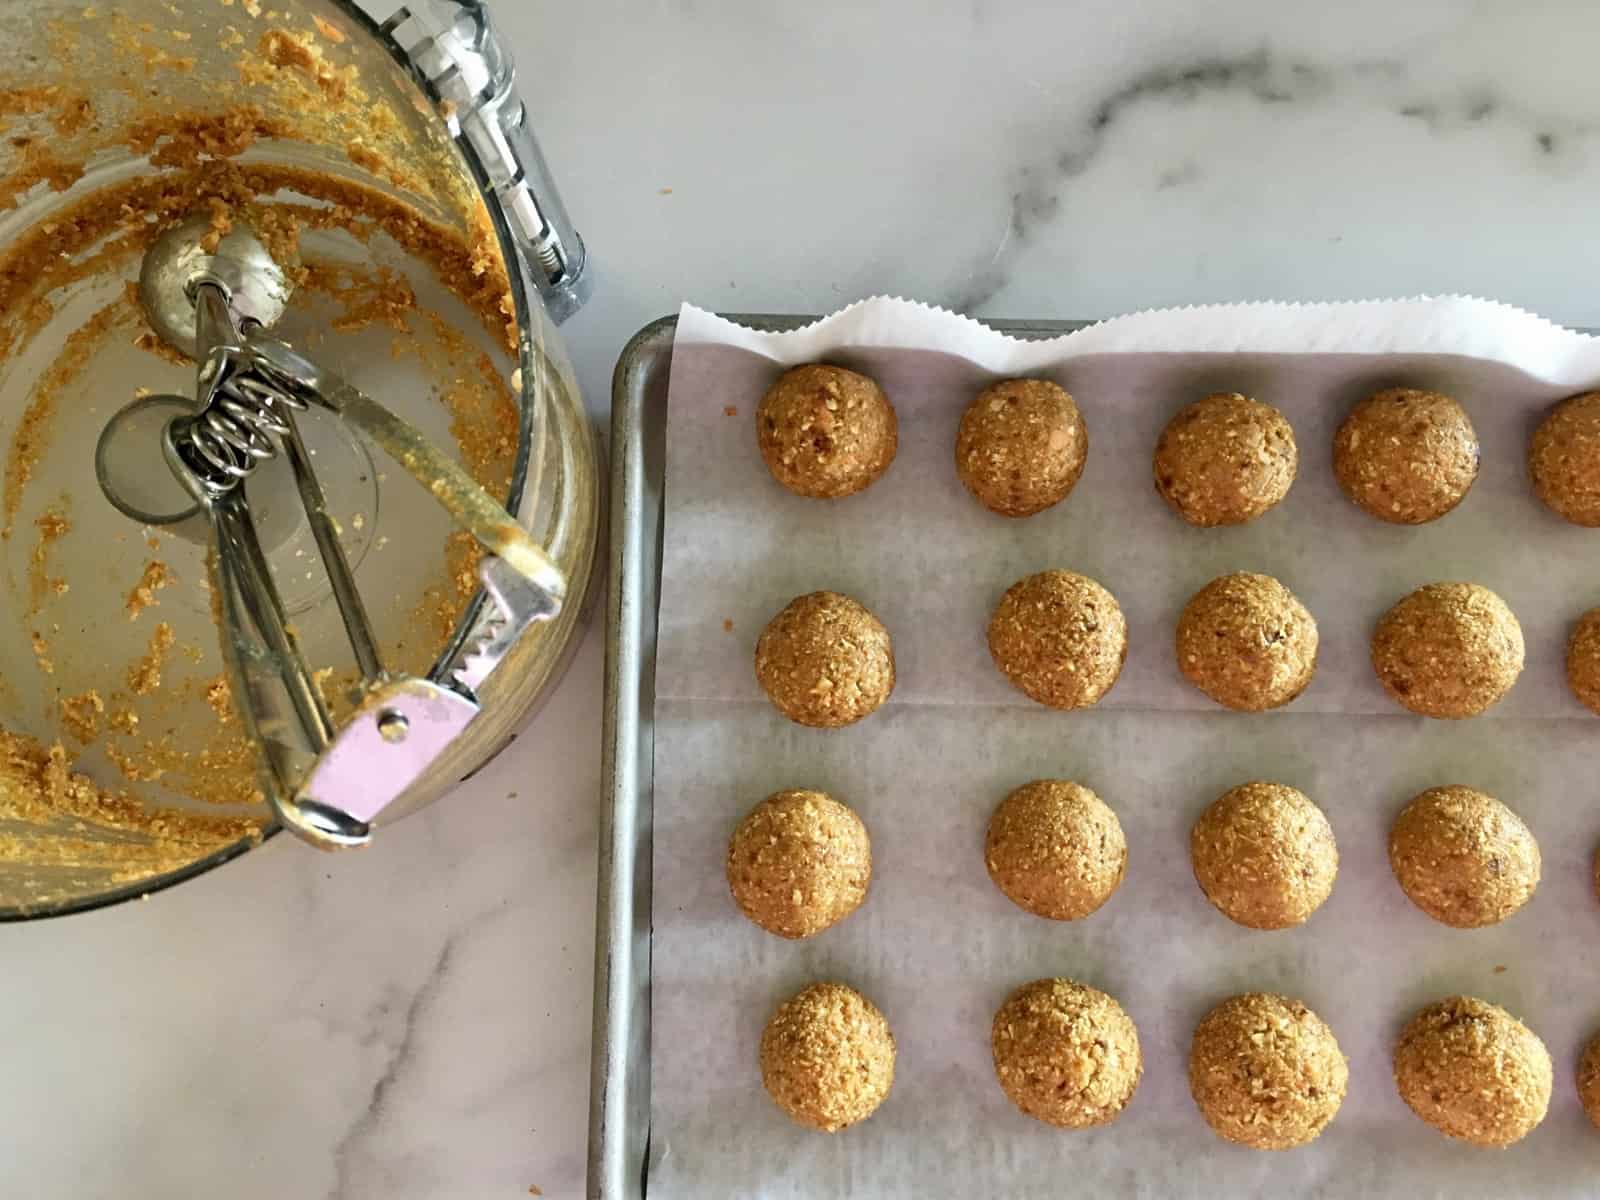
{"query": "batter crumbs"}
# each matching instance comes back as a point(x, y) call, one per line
point(221, 773)
point(156, 576)
point(328, 30)
point(220, 213)
point(152, 344)
point(53, 525)
point(37, 164)
point(144, 676)
point(41, 653)
point(484, 416)
point(219, 695)
point(297, 52)
point(364, 299)
point(442, 603)
point(69, 112)
point(75, 824)
point(81, 715)
point(114, 224)
point(26, 101)
point(190, 139)
point(34, 429)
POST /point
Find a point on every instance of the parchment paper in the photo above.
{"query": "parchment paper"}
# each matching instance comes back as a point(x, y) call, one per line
point(936, 946)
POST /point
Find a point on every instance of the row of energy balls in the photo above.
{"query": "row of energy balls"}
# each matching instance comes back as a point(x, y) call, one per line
point(1403, 455)
point(1264, 1070)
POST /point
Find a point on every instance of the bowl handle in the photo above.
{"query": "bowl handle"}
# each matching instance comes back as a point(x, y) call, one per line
point(464, 66)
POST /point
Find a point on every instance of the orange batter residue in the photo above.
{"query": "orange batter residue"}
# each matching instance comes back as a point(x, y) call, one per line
point(295, 85)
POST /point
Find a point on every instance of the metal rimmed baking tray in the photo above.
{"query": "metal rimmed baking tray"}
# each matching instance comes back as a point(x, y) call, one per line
point(619, 1113)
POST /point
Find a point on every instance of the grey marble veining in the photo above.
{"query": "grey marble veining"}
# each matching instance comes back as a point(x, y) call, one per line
point(414, 1022)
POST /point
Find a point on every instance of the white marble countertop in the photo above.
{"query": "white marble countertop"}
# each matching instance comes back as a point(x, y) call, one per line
point(414, 1022)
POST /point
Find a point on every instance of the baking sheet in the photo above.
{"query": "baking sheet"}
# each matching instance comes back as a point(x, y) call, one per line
point(936, 946)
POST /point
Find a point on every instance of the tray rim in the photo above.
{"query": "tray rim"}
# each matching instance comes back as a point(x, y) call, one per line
point(619, 1086)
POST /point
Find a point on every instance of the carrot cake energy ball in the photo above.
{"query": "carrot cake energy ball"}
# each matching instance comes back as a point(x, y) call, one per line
point(825, 660)
point(1406, 456)
point(1266, 1071)
point(1473, 1071)
point(1564, 459)
point(1021, 446)
point(1448, 650)
point(1246, 641)
point(1066, 1054)
point(1055, 849)
point(1583, 660)
point(1589, 1080)
point(827, 1057)
point(1463, 857)
point(826, 432)
point(1264, 855)
point(1060, 638)
point(798, 863)
point(1225, 460)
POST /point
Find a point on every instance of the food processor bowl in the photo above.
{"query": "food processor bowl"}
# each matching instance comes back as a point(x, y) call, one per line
point(390, 171)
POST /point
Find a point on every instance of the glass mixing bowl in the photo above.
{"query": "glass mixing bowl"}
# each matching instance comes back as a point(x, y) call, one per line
point(123, 765)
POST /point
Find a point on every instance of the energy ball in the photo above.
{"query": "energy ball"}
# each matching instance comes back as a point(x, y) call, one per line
point(1266, 1071)
point(1021, 446)
point(1225, 460)
point(1583, 660)
point(1589, 1080)
point(1247, 642)
point(827, 1057)
point(1406, 456)
point(799, 862)
point(826, 432)
point(1448, 650)
point(1463, 857)
point(1473, 1071)
point(1264, 855)
point(1066, 1054)
point(1564, 459)
point(825, 660)
point(1055, 849)
point(1060, 638)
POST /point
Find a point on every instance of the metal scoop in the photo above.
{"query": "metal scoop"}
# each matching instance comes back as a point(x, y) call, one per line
point(214, 296)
